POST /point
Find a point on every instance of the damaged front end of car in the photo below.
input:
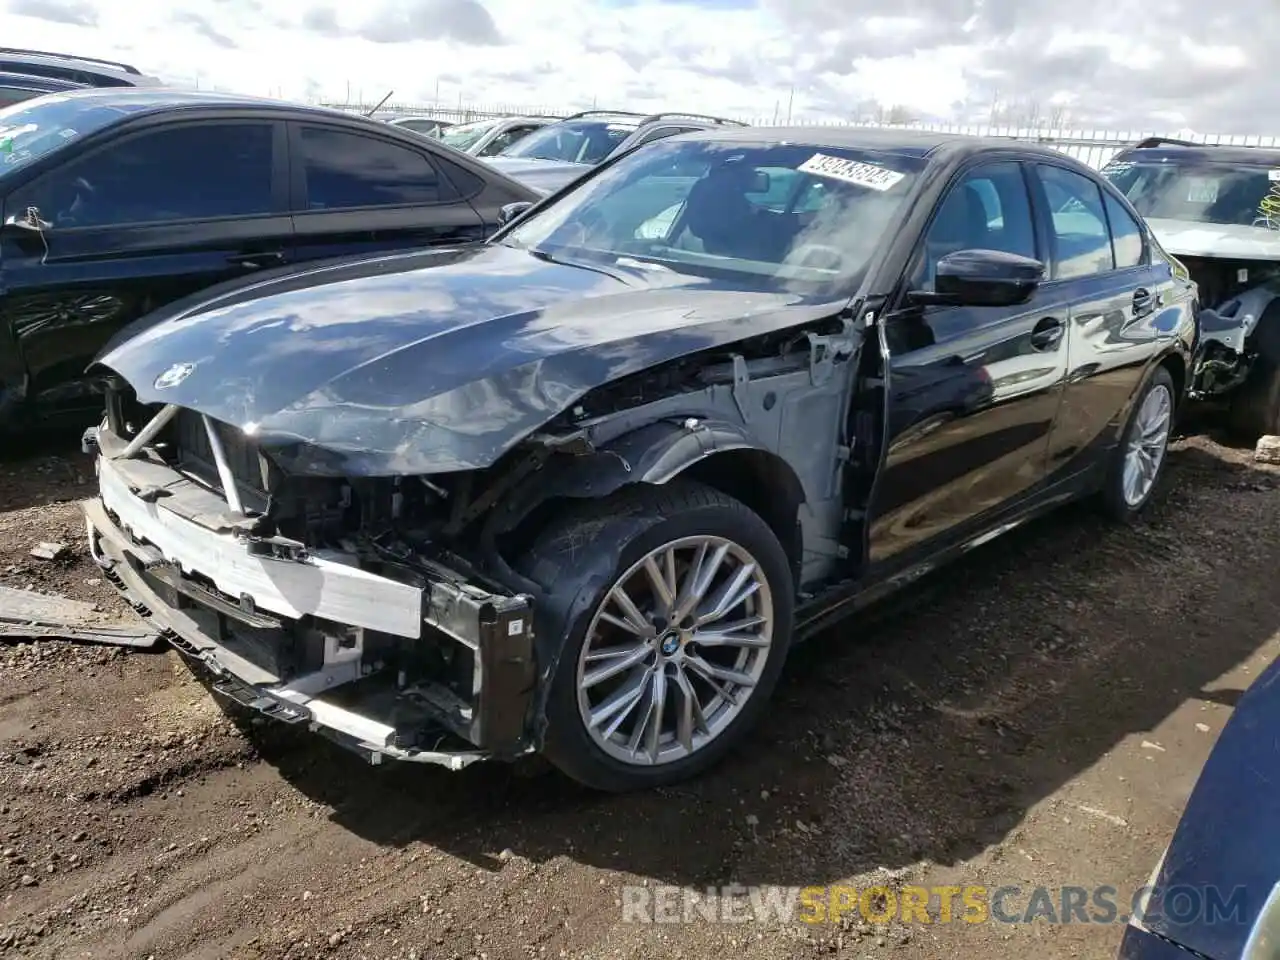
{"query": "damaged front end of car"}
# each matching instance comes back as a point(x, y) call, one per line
point(319, 600)
point(1233, 294)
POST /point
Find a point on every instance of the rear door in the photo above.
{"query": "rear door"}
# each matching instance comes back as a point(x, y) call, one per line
point(145, 219)
point(973, 391)
point(357, 192)
point(1101, 264)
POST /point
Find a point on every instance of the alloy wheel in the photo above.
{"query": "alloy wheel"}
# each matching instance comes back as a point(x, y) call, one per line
point(1148, 441)
point(675, 650)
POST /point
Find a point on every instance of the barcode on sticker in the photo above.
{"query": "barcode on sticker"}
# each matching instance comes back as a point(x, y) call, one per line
point(515, 628)
point(851, 171)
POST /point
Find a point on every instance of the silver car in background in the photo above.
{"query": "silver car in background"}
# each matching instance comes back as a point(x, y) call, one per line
point(488, 138)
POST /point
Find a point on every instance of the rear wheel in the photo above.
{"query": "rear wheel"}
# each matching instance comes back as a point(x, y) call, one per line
point(676, 609)
point(1138, 461)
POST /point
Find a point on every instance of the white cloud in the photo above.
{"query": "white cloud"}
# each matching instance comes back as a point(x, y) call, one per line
point(1106, 62)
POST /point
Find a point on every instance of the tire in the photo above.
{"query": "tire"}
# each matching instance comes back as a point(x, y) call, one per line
point(1255, 407)
point(1120, 500)
point(588, 552)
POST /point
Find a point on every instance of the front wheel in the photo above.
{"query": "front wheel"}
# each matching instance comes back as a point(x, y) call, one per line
point(1138, 461)
point(675, 609)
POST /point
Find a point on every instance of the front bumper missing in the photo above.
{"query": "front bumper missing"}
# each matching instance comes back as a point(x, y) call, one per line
point(148, 551)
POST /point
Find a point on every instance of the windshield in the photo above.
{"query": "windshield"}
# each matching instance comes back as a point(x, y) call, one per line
point(465, 135)
point(1200, 191)
point(573, 141)
point(763, 215)
point(33, 128)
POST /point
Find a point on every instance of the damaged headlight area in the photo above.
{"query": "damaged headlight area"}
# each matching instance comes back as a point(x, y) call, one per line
point(350, 605)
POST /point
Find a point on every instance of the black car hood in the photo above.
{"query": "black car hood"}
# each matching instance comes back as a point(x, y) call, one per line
point(429, 361)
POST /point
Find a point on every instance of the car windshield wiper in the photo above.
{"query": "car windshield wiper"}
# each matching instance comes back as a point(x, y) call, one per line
point(546, 257)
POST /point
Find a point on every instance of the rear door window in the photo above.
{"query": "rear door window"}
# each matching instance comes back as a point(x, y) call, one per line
point(1079, 223)
point(343, 170)
point(1126, 235)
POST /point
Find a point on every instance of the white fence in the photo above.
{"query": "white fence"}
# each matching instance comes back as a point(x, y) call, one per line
point(1094, 147)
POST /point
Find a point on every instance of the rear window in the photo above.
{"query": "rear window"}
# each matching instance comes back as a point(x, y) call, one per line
point(37, 68)
point(12, 95)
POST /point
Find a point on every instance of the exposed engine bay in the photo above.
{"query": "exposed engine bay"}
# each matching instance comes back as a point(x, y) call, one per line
point(1234, 294)
point(288, 588)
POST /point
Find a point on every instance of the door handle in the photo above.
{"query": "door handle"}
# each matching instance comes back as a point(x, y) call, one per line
point(255, 261)
point(1047, 333)
point(1144, 302)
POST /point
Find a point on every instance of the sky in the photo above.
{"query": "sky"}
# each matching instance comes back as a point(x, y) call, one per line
point(1131, 65)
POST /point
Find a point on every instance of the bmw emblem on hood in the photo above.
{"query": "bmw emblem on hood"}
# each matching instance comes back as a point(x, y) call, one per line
point(174, 375)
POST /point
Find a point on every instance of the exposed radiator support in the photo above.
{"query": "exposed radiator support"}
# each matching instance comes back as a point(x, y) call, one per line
point(225, 475)
point(148, 433)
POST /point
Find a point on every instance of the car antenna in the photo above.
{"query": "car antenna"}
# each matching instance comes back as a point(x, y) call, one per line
point(380, 103)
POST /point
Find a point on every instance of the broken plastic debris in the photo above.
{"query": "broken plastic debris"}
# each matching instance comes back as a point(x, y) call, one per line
point(26, 614)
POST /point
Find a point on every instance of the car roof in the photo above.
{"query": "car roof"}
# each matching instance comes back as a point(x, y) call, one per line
point(1207, 153)
point(137, 101)
point(90, 65)
point(909, 143)
point(30, 81)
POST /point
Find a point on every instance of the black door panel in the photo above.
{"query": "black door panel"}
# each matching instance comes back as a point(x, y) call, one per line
point(969, 427)
point(131, 231)
point(973, 392)
point(1100, 260)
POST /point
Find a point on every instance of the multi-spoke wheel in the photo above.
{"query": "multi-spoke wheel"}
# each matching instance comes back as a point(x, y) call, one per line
point(676, 616)
point(675, 650)
point(1140, 457)
point(1148, 440)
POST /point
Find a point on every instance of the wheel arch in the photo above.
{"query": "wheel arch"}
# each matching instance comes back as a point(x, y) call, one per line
point(1176, 365)
point(720, 454)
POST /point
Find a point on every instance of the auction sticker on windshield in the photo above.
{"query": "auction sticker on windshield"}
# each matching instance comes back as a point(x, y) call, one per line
point(1202, 190)
point(851, 171)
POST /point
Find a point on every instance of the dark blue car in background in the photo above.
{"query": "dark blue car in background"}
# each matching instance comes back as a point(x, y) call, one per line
point(1214, 893)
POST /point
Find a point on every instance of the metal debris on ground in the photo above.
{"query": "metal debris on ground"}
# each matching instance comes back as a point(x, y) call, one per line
point(26, 614)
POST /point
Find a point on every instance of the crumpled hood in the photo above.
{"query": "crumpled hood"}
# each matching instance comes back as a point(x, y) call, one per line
point(546, 176)
point(428, 361)
point(1183, 238)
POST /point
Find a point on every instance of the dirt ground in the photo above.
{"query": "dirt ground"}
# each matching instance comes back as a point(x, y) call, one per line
point(1034, 715)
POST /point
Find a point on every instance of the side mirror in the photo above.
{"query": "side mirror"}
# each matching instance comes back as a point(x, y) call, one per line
point(982, 278)
point(511, 211)
point(760, 182)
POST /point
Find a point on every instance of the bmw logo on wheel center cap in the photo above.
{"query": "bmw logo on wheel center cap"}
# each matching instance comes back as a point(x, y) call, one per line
point(670, 644)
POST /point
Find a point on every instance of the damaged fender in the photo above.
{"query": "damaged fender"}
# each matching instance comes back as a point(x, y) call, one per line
point(655, 453)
